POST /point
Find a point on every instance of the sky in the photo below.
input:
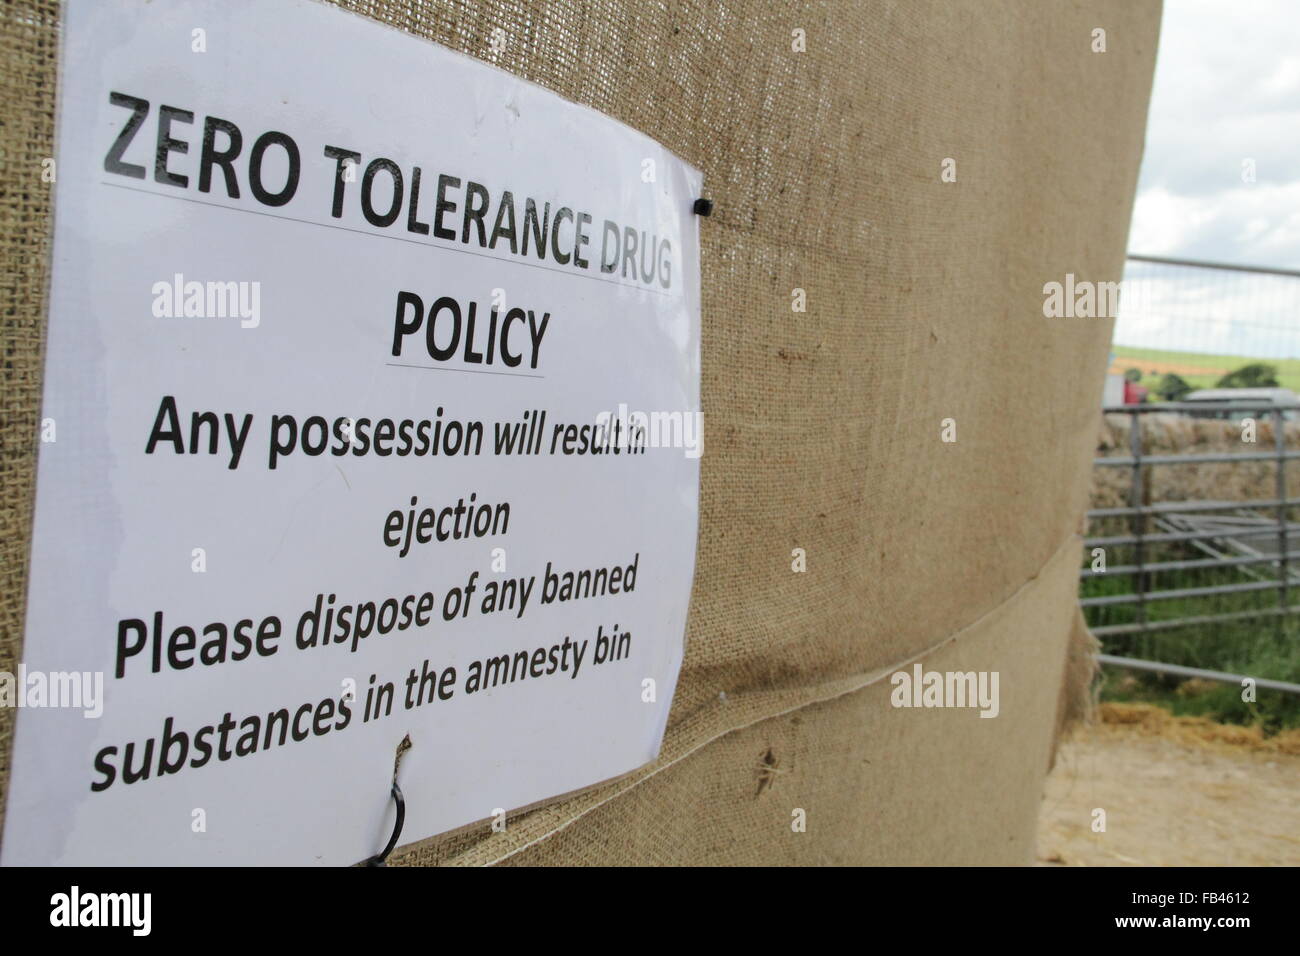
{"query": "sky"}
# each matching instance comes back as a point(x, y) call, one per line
point(1226, 90)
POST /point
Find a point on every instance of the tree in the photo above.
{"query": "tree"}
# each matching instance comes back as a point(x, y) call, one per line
point(1173, 387)
point(1254, 375)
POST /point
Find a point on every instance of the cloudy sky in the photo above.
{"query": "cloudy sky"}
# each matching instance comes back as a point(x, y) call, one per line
point(1227, 91)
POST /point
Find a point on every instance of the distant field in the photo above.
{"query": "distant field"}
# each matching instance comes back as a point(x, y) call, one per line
point(1199, 369)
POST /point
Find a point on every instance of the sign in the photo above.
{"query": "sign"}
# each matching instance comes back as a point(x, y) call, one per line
point(371, 411)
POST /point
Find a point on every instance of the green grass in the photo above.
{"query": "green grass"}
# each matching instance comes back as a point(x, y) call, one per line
point(1288, 370)
point(1257, 648)
point(1250, 648)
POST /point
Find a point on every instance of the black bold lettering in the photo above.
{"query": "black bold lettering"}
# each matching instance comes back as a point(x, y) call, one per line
point(561, 258)
point(211, 156)
point(413, 224)
point(342, 155)
point(265, 141)
point(474, 213)
point(113, 160)
point(402, 327)
point(444, 206)
point(367, 182)
point(166, 114)
point(450, 304)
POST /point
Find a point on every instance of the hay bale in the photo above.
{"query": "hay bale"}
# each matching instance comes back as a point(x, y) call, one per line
point(1171, 433)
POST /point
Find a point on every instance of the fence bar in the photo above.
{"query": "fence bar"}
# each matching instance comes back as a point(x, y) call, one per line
point(1224, 266)
point(1220, 405)
point(1279, 444)
point(1181, 671)
point(1139, 520)
point(1111, 600)
point(1162, 536)
point(1114, 629)
point(1181, 507)
point(1121, 462)
point(1184, 565)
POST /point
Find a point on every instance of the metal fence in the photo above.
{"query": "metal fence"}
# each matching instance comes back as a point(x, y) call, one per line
point(1252, 539)
point(1208, 308)
point(1234, 563)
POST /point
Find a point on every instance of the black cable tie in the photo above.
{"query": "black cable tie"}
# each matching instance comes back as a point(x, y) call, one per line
point(379, 858)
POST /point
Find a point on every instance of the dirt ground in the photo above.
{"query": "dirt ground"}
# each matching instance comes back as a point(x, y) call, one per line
point(1171, 798)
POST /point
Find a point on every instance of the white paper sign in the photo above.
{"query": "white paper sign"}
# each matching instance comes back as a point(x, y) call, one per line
point(334, 317)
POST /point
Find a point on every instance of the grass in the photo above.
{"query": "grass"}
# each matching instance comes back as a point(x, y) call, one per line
point(1288, 370)
point(1248, 648)
point(1260, 648)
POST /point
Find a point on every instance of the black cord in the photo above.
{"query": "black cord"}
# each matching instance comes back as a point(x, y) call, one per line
point(378, 859)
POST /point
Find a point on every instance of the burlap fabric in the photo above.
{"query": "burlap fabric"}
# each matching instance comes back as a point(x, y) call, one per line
point(823, 428)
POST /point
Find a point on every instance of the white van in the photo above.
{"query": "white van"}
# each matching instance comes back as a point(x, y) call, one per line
point(1236, 403)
